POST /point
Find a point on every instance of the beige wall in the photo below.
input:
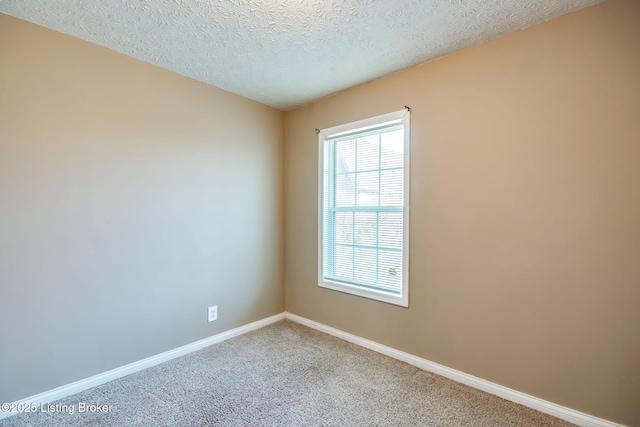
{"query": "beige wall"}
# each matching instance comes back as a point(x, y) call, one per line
point(131, 199)
point(525, 215)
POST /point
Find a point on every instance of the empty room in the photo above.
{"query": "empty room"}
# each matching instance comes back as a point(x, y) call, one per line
point(320, 213)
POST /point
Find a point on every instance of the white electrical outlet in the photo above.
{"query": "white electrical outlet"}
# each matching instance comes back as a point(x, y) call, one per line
point(212, 313)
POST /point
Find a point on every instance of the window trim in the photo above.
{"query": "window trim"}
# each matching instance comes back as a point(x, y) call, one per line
point(379, 295)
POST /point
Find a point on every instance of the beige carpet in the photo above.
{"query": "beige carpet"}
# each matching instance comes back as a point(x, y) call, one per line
point(287, 375)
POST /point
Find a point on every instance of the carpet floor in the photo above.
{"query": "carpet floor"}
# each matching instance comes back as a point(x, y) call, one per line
point(286, 374)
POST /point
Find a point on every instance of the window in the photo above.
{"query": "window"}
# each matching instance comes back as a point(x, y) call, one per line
point(364, 208)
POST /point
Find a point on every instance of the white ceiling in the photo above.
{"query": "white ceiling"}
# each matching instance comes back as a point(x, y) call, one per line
point(286, 53)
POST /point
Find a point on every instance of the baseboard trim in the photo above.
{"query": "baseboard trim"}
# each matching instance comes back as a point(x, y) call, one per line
point(567, 414)
point(96, 380)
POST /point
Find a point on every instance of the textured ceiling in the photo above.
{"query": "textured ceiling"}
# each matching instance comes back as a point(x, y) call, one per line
point(286, 53)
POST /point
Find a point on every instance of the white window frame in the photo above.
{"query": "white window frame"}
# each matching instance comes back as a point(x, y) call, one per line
point(380, 295)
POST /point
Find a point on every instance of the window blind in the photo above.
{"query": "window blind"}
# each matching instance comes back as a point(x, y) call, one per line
point(362, 207)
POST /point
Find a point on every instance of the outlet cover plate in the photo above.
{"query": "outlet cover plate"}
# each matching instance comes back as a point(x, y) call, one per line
point(212, 313)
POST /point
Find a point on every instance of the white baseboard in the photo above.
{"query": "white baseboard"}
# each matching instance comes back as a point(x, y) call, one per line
point(538, 404)
point(96, 380)
point(544, 406)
